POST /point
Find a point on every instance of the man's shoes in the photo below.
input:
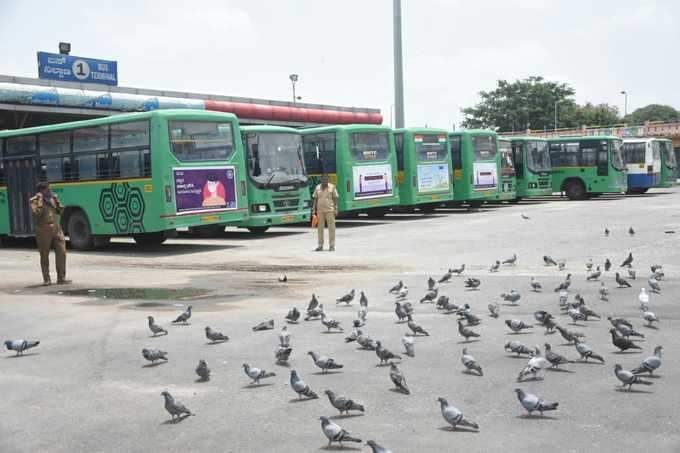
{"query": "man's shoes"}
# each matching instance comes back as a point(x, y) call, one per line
point(318, 249)
point(46, 282)
point(332, 249)
point(63, 281)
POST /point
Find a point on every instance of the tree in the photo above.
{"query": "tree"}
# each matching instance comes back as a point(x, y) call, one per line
point(596, 115)
point(652, 112)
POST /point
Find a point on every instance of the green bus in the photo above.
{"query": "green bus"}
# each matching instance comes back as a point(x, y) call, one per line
point(474, 157)
point(140, 174)
point(506, 168)
point(423, 168)
point(532, 167)
point(668, 163)
point(361, 162)
point(587, 166)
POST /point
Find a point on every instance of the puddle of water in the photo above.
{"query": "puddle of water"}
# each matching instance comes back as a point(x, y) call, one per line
point(139, 293)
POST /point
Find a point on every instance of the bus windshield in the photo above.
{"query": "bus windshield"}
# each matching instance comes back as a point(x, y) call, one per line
point(538, 157)
point(669, 154)
point(275, 158)
point(368, 146)
point(617, 155)
point(430, 147)
point(201, 140)
point(484, 147)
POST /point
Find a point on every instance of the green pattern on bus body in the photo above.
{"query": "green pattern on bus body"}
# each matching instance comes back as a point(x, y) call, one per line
point(466, 161)
point(4, 211)
point(532, 167)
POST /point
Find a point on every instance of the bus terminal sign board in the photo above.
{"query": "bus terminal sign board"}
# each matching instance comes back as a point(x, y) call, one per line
point(204, 189)
point(372, 181)
point(57, 66)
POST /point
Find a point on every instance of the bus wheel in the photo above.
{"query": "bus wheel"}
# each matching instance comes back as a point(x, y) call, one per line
point(207, 231)
point(427, 209)
point(644, 190)
point(377, 213)
point(101, 241)
point(575, 190)
point(79, 231)
point(150, 239)
point(515, 200)
point(258, 229)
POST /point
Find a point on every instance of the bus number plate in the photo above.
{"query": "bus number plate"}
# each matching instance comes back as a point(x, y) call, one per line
point(287, 218)
point(210, 218)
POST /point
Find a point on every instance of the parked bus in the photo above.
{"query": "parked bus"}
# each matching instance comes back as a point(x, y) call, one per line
point(424, 168)
point(140, 174)
point(359, 160)
point(507, 190)
point(278, 191)
point(643, 161)
point(668, 163)
point(475, 166)
point(587, 166)
point(532, 167)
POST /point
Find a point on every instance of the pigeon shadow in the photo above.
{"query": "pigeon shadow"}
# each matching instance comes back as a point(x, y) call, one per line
point(254, 386)
point(632, 351)
point(514, 356)
point(340, 417)
point(458, 429)
point(471, 373)
point(577, 324)
point(509, 305)
point(301, 400)
point(321, 373)
point(388, 364)
point(18, 356)
point(560, 370)
point(154, 364)
point(626, 390)
point(181, 324)
point(518, 333)
point(340, 448)
point(583, 362)
point(211, 343)
point(292, 322)
point(547, 332)
point(176, 420)
point(531, 379)
point(157, 335)
point(536, 417)
point(333, 331)
point(396, 390)
point(651, 326)
point(201, 380)
point(283, 364)
point(468, 341)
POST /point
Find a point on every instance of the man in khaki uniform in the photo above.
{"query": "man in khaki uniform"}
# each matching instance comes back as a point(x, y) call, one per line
point(326, 208)
point(46, 208)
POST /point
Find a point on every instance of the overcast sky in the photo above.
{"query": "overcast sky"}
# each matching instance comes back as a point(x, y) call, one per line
point(342, 50)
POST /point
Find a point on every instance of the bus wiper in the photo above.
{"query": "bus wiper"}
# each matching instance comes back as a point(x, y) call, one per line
point(270, 178)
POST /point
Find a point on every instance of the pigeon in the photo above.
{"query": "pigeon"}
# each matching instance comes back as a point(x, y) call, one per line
point(342, 403)
point(525, 217)
point(549, 261)
point(563, 298)
point(363, 300)
point(631, 231)
point(656, 267)
point(400, 311)
point(622, 282)
point(282, 354)
point(313, 303)
point(347, 298)
point(554, 358)
point(650, 317)
point(532, 403)
point(20, 345)
point(625, 330)
point(442, 301)
point(594, 275)
point(214, 335)
point(564, 285)
point(513, 297)
point(385, 354)
point(398, 379)
point(256, 374)
point(512, 260)
point(334, 433)
point(203, 371)
point(293, 315)
point(589, 264)
point(174, 407)
point(576, 315)
point(603, 291)
point(430, 296)
point(409, 343)
point(628, 261)
point(154, 354)
point(495, 266)
point(534, 366)
point(651, 363)
point(549, 323)
point(264, 325)
point(184, 317)
point(323, 362)
point(568, 335)
point(283, 279)
point(314, 313)
point(377, 448)
point(446, 277)
point(431, 283)
point(607, 265)
point(632, 274)
point(471, 363)
point(449, 307)
point(473, 283)
point(586, 352)
point(606, 231)
point(470, 318)
point(403, 293)
point(518, 348)
point(366, 342)
point(621, 342)
point(535, 285)
point(459, 270)
point(353, 336)
point(330, 323)
point(516, 325)
point(361, 317)
point(541, 315)
point(466, 332)
point(155, 328)
point(396, 288)
point(616, 322)
point(654, 285)
point(300, 387)
point(453, 416)
point(561, 265)
point(627, 378)
point(415, 328)
point(643, 297)
point(586, 311)
point(494, 310)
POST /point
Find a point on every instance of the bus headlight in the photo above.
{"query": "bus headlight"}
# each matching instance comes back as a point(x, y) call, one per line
point(260, 208)
point(307, 204)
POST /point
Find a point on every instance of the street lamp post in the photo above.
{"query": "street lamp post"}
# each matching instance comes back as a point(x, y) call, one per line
point(293, 79)
point(625, 103)
point(555, 126)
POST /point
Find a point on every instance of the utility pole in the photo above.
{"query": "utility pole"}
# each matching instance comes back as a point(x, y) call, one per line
point(625, 103)
point(555, 126)
point(398, 68)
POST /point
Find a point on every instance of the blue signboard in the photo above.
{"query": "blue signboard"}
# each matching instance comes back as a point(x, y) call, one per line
point(76, 69)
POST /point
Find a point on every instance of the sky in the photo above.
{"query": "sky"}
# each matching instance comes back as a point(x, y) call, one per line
point(342, 50)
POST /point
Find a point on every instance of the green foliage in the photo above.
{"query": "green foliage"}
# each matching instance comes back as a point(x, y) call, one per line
point(653, 112)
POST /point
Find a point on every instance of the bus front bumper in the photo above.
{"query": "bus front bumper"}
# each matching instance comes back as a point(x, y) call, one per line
point(273, 219)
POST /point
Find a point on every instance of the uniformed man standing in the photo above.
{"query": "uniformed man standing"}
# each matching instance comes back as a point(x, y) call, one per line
point(326, 208)
point(46, 209)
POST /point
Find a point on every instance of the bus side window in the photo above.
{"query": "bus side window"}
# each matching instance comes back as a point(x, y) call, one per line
point(310, 147)
point(555, 150)
point(55, 156)
point(602, 158)
point(456, 157)
point(588, 156)
point(399, 147)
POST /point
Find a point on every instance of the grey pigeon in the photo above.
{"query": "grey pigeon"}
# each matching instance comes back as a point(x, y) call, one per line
point(366, 342)
point(395, 289)
point(554, 358)
point(632, 274)
point(430, 296)
point(363, 300)
point(649, 316)
point(512, 297)
point(470, 318)
point(214, 335)
point(458, 270)
point(654, 284)
point(184, 317)
point(628, 261)
point(563, 298)
point(264, 325)
point(448, 307)
point(361, 317)
point(586, 352)
point(409, 344)
point(466, 332)
point(589, 264)
point(564, 285)
point(604, 292)
point(313, 303)
point(377, 448)
point(398, 379)
point(631, 231)
point(568, 335)
point(203, 371)
point(616, 322)
point(627, 331)
point(20, 345)
point(334, 433)
point(512, 260)
point(256, 374)
point(342, 403)
point(284, 337)
point(400, 312)
point(446, 277)
point(323, 362)
point(549, 323)
point(627, 378)
point(293, 315)
point(283, 279)
point(403, 293)
point(518, 348)
point(330, 323)
point(607, 265)
point(517, 325)
point(430, 283)
point(576, 315)
point(453, 416)
point(535, 285)
point(540, 315)
point(347, 298)
point(300, 387)
point(155, 328)
point(495, 266)
point(282, 354)
point(536, 364)
point(651, 363)
point(152, 355)
point(606, 231)
point(174, 407)
point(549, 261)
point(622, 282)
point(494, 310)
point(353, 336)
point(561, 265)
point(385, 354)
point(593, 276)
point(470, 363)
point(415, 328)
point(621, 342)
point(472, 283)
point(314, 313)
point(525, 217)
point(532, 403)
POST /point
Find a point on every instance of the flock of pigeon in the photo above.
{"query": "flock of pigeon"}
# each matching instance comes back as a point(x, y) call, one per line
point(573, 313)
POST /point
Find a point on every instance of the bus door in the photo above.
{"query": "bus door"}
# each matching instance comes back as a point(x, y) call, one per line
point(21, 181)
point(517, 159)
point(602, 157)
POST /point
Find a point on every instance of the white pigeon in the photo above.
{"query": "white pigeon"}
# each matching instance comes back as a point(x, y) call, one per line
point(284, 337)
point(409, 343)
point(403, 292)
point(643, 297)
point(535, 365)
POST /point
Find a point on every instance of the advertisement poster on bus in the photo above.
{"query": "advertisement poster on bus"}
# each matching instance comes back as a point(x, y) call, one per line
point(433, 178)
point(485, 175)
point(372, 181)
point(201, 189)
